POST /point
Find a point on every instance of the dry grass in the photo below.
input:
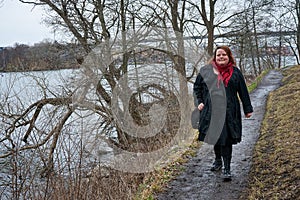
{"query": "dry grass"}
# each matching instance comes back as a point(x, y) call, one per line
point(155, 182)
point(275, 173)
point(253, 84)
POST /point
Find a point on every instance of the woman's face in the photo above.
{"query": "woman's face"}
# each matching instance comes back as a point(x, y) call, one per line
point(222, 58)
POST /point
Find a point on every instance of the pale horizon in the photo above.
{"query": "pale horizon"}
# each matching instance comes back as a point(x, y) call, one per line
point(22, 23)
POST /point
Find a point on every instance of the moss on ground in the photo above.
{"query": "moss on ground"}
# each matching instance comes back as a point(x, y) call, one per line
point(275, 171)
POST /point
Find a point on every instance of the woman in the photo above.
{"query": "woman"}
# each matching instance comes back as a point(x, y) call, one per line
point(218, 88)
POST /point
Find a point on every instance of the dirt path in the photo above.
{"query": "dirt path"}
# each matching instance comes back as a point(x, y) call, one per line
point(197, 182)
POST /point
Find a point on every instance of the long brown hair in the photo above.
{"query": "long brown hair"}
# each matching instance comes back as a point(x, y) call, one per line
point(228, 52)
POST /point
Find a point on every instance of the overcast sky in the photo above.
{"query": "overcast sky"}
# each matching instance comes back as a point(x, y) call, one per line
point(21, 23)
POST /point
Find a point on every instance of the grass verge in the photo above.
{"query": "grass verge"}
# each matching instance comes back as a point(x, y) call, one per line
point(157, 180)
point(275, 171)
point(257, 81)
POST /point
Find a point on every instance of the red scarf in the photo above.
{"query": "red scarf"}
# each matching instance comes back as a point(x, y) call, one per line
point(225, 72)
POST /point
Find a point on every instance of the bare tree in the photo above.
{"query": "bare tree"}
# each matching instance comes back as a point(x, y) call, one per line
point(104, 30)
point(111, 97)
point(297, 9)
point(289, 13)
point(214, 15)
point(90, 27)
point(245, 33)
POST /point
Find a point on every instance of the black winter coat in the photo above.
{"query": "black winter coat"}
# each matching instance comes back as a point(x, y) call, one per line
point(205, 86)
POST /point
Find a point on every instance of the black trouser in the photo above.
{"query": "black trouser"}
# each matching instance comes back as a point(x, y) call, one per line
point(224, 152)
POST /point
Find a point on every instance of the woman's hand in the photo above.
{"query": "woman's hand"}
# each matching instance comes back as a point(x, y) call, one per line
point(248, 115)
point(201, 106)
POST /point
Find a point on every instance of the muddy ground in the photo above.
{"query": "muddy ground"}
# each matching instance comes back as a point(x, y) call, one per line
point(197, 182)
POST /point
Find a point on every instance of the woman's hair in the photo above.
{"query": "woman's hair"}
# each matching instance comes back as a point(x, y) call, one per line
point(228, 52)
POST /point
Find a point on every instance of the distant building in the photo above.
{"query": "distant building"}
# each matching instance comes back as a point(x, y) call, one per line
point(275, 50)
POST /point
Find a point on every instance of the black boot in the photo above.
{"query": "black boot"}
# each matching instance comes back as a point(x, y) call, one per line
point(217, 165)
point(227, 173)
